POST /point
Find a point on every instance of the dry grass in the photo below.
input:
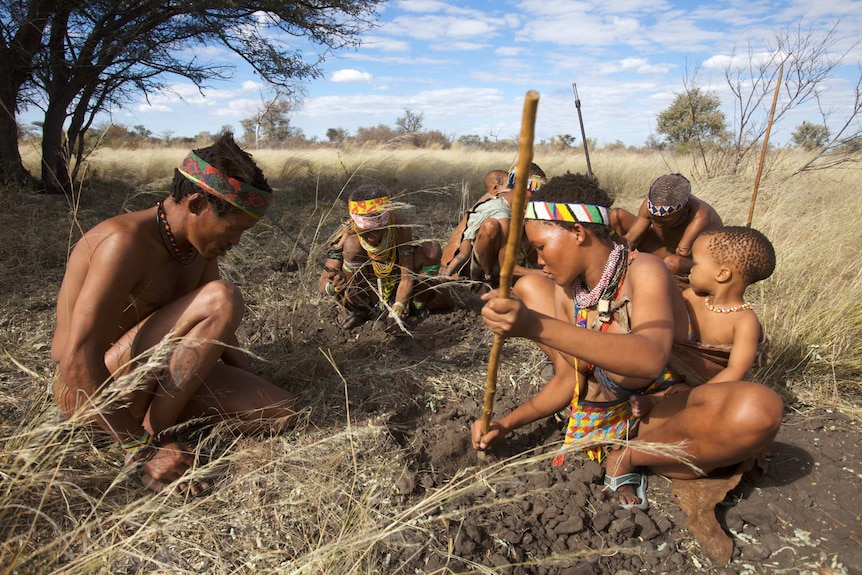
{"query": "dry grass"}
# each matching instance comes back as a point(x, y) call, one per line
point(320, 498)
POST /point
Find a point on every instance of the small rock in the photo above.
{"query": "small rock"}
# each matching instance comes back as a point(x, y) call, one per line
point(601, 520)
point(569, 526)
point(406, 483)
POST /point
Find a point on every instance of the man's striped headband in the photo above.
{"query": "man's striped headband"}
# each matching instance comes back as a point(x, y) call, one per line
point(554, 212)
point(212, 180)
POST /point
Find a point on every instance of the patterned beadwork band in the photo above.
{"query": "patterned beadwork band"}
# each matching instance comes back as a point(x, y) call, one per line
point(554, 212)
point(534, 182)
point(662, 211)
point(369, 214)
point(212, 180)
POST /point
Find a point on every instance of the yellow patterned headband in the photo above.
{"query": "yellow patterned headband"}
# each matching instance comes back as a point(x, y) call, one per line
point(366, 207)
point(369, 214)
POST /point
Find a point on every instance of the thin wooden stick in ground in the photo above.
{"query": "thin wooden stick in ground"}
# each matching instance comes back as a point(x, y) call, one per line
point(516, 223)
point(765, 145)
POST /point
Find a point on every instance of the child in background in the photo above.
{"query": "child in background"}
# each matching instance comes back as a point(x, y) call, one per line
point(668, 222)
point(479, 241)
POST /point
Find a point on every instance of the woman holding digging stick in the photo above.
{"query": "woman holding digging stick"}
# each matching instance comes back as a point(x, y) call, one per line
point(607, 318)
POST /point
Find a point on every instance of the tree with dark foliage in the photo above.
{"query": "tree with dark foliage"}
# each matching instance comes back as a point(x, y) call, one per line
point(75, 59)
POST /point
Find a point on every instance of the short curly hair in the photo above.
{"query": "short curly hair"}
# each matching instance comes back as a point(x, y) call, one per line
point(495, 178)
point(576, 189)
point(230, 159)
point(670, 190)
point(368, 191)
point(746, 249)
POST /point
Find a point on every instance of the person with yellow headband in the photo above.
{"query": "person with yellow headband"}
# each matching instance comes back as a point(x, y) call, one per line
point(479, 240)
point(668, 221)
point(149, 280)
point(373, 267)
point(607, 319)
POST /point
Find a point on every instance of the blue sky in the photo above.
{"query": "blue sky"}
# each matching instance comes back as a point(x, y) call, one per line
point(466, 66)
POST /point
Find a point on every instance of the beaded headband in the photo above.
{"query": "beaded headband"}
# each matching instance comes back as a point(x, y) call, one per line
point(555, 212)
point(662, 211)
point(669, 186)
point(212, 180)
point(534, 182)
point(369, 214)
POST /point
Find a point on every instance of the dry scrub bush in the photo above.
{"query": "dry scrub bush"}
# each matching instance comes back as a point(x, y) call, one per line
point(320, 498)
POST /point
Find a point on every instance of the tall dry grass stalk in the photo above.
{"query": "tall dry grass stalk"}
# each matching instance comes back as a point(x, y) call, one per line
point(320, 498)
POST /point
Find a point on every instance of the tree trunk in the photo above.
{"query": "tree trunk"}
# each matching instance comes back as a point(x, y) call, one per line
point(55, 154)
point(12, 170)
point(16, 66)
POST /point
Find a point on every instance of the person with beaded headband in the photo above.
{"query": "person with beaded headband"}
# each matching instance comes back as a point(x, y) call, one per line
point(148, 280)
point(607, 320)
point(669, 220)
point(481, 235)
point(373, 266)
point(725, 262)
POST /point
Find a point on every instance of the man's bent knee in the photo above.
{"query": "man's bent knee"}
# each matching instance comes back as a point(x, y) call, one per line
point(222, 299)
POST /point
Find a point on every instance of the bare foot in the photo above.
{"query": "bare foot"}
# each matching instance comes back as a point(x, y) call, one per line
point(642, 404)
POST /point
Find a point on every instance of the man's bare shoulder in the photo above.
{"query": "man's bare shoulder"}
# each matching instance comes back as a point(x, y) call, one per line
point(703, 210)
point(125, 233)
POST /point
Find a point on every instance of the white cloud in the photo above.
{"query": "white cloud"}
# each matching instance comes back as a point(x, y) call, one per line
point(349, 75)
point(385, 44)
point(638, 65)
point(152, 108)
point(507, 51)
point(469, 28)
point(422, 5)
point(459, 46)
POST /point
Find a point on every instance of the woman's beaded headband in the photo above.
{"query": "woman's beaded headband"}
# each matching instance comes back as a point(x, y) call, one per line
point(556, 212)
point(212, 180)
point(369, 214)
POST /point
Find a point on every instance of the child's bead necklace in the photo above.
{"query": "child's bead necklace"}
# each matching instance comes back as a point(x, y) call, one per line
point(740, 307)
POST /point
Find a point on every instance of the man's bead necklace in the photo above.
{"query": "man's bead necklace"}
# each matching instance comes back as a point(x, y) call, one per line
point(610, 278)
point(162, 221)
point(740, 307)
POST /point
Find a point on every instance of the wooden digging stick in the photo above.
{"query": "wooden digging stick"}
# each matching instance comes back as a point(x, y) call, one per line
point(765, 146)
point(516, 224)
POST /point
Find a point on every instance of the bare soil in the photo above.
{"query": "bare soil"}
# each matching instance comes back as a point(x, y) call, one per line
point(803, 517)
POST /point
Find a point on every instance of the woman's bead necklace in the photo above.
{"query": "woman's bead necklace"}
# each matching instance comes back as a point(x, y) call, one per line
point(382, 255)
point(162, 221)
point(610, 278)
point(740, 307)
